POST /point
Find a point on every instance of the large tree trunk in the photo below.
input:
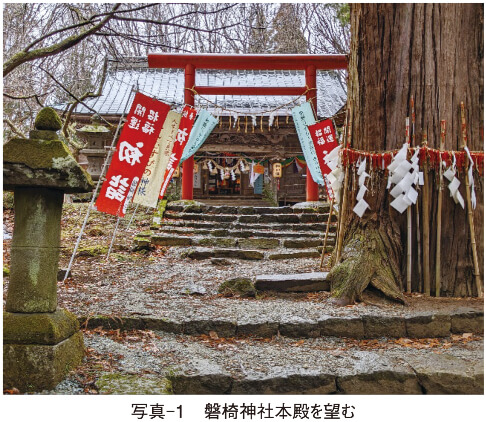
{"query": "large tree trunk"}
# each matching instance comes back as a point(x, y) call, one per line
point(435, 53)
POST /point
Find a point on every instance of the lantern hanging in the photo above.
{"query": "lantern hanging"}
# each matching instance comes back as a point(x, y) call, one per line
point(277, 170)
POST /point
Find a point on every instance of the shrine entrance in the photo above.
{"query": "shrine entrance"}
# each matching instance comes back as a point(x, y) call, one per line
point(190, 62)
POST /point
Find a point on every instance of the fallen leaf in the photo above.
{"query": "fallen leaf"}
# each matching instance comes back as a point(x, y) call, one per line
point(467, 335)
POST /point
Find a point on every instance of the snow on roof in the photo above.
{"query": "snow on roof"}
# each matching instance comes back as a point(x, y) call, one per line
point(167, 85)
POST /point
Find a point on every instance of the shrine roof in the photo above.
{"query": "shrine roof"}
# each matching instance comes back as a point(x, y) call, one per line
point(167, 85)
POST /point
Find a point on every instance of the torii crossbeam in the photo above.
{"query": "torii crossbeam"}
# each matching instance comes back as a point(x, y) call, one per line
point(310, 63)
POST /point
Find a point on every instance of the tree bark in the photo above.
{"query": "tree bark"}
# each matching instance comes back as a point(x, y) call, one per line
point(435, 53)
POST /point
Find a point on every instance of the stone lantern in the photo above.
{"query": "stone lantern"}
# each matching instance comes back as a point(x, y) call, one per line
point(97, 139)
point(41, 342)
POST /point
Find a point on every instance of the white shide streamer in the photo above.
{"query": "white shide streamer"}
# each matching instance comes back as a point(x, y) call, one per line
point(471, 178)
point(361, 205)
point(336, 176)
point(405, 175)
point(450, 174)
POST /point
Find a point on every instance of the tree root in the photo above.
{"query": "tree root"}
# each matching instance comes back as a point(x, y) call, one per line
point(370, 256)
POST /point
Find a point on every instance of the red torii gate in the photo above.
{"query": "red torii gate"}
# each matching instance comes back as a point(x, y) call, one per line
point(190, 62)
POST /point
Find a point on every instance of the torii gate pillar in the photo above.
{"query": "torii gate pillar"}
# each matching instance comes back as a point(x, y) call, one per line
point(188, 165)
point(312, 188)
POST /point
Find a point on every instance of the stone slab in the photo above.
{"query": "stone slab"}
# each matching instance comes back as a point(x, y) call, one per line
point(297, 254)
point(306, 282)
point(301, 243)
point(39, 328)
point(220, 242)
point(171, 240)
point(384, 327)
point(33, 367)
point(424, 326)
point(342, 327)
point(296, 383)
point(114, 383)
point(467, 321)
point(446, 374)
point(259, 243)
point(238, 254)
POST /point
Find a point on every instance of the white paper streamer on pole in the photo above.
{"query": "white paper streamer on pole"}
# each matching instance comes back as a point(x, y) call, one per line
point(404, 175)
point(336, 177)
point(362, 205)
point(450, 174)
point(471, 177)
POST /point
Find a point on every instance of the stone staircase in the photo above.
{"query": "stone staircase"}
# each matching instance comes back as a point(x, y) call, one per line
point(243, 232)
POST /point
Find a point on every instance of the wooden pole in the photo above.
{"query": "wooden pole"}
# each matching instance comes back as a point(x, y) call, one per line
point(341, 197)
point(327, 232)
point(439, 211)
point(409, 223)
point(342, 211)
point(470, 216)
point(417, 208)
point(425, 219)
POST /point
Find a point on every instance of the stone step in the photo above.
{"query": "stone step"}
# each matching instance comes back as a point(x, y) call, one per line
point(168, 239)
point(312, 227)
point(215, 365)
point(253, 219)
point(428, 324)
point(244, 210)
point(306, 282)
point(215, 232)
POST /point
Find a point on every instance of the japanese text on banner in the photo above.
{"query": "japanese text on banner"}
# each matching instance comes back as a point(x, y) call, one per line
point(303, 117)
point(324, 139)
point(153, 175)
point(136, 142)
point(182, 136)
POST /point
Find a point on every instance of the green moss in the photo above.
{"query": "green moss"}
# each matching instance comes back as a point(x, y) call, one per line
point(8, 200)
point(48, 119)
point(39, 328)
point(6, 271)
point(239, 286)
point(93, 251)
point(37, 154)
point(116, 383)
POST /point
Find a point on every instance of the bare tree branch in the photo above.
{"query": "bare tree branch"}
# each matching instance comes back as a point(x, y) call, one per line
point(76, 98)
point(14, 128)
point(26, 56)
point(82, 98)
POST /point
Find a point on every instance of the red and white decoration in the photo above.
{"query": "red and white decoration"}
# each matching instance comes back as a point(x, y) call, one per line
point(137, 140)
point(324, 139)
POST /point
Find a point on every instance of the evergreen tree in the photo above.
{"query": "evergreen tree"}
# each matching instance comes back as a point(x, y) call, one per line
point(288, 37)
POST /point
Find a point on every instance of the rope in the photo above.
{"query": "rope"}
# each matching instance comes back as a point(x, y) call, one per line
point(232, 111)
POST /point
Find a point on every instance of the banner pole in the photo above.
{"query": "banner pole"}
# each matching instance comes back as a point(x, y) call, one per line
point(327, 232)
point(133, 215)
point(100, 180)
point(113, 238)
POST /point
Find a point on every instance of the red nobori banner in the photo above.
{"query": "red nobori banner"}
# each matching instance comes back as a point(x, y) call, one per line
point(185, 127)
point(324, 139)
point(136, 142)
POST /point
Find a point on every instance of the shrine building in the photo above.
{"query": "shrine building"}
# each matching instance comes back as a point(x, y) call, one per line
point(253, 107)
